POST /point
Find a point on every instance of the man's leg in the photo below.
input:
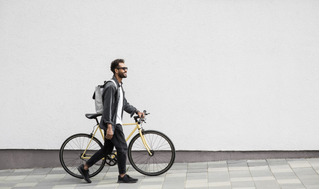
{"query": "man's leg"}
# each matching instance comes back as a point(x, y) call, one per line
point(103, 152)
point(120, 143)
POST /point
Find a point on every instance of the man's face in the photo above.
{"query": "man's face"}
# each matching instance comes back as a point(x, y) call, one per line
point(121, 70)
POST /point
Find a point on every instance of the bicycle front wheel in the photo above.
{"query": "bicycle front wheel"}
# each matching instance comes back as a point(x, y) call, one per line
point(162, 153)
point(76, 150)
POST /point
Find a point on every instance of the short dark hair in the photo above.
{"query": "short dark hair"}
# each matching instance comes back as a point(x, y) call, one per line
point(115, 64)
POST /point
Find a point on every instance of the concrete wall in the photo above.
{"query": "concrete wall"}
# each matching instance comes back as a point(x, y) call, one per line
point(216, 75)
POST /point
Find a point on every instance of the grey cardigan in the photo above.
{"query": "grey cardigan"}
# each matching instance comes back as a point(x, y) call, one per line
point(110, 97)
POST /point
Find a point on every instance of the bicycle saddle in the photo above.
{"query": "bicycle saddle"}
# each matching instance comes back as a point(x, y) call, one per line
point(92, 116)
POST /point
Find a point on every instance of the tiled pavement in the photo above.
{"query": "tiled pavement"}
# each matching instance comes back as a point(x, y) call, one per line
point(264, 174)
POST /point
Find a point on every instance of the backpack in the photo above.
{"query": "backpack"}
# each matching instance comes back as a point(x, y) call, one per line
point(97, 96)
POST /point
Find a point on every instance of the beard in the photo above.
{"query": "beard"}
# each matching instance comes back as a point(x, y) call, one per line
point(122, 75)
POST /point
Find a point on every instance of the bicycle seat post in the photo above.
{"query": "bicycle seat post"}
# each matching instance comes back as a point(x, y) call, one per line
point(97, 121)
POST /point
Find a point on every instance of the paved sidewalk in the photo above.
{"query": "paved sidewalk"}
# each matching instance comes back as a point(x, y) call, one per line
point(264, 174)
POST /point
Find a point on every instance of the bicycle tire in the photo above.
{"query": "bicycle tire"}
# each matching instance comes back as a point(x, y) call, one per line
point(71, 151)
point(163, 153)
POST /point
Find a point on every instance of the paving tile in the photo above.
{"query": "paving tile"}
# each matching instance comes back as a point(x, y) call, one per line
point(18, 172)
point(277, 162)
point(236, 174)
point(88, 187)
point(217, 164)
point(7, 184)
point(314, 162)
point(2, 178)
point(201, 175)
point(41, 171)
point(197, 170)
point(282, 175)
point(15, 178)
point(242, 184)
point(154, 186)
point(309, 180)
point(292, 186)
point(266, 178)
point(219, 187)
point(45, 185)
point(153, 179)
point(237, 163)
point(299, 164)
point(313, 187)
point(260, 168)
point(218, 169)
point(266, 184)
point(257, 163)
point(197, 183)
point(174, 180)
point(110, 186)
point(220, 184)
point(176, 175)
point(214, 179)
point(26, 184)
point(37, 178)
point(289, 181)
point(238, 168)
point(132, 186)
point(180, 166)
point(261, 173)
point(280, 168)
point(7, 172)
point(57, 171)
point(173, 185)
point(241, 179)
point(203, 165)
point(218, 176)
point(176, 171)
point(54, 177)
point(66, 186)
point(305, 171)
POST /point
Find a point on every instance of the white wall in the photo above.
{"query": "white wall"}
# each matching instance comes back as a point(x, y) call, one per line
point(216, 75)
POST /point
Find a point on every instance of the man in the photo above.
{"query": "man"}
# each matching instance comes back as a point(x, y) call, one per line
point(114, 102)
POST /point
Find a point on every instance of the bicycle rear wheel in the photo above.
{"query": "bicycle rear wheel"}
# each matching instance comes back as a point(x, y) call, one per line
point(72, 150)
point(161, 159)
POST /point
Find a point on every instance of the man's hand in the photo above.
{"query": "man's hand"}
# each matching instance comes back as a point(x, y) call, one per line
point(140, 114)
point(109, 132)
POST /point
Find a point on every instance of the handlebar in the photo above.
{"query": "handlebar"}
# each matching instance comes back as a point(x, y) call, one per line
point(142, 119)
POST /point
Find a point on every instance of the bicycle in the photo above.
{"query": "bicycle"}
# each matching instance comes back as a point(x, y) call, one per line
point(150, 152)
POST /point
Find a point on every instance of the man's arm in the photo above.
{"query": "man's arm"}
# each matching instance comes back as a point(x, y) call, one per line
point(131, 109)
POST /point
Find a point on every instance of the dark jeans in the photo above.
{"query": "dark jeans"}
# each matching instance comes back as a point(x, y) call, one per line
point(118, 140)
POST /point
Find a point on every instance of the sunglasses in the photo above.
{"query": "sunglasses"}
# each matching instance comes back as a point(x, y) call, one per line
point(124, 68)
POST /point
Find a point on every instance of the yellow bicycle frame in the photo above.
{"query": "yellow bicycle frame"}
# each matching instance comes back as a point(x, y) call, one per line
point(130, 135)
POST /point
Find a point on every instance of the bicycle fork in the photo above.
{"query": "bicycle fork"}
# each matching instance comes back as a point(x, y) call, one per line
point(144, 141)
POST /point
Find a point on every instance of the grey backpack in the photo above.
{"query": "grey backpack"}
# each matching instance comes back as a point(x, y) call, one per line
point(97, 96)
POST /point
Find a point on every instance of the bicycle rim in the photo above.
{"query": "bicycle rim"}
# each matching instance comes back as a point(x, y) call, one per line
point(162, 158)
point(72, 150)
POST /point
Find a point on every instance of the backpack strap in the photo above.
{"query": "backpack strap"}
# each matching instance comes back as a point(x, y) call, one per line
point(102, 86)
point(113, 83)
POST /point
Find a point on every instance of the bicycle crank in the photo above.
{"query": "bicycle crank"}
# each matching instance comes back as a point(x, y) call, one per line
point(112, 159)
